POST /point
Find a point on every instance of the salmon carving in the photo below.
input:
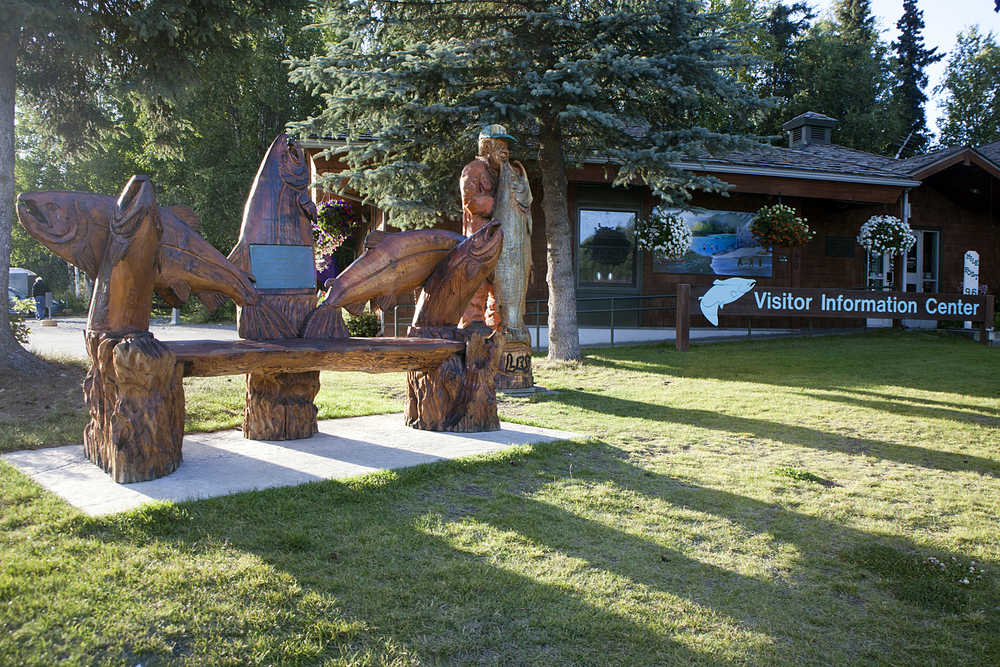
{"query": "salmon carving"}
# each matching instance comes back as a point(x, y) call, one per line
point(77, 227)
point(513, 211)
point(392, 264)
point(451, 285)
point(278, 211)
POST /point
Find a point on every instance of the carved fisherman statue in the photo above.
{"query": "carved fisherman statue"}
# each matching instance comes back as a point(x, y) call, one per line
point(494, 189)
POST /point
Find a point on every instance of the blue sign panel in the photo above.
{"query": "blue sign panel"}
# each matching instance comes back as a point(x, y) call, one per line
point(283, 266)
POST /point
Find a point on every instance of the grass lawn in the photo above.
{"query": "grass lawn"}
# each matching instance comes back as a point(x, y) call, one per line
point(830, 500)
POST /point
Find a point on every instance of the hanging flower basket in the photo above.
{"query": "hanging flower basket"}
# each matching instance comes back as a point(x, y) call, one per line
point(778, 226)
point(666, 236)
point(335, 221)
point(886, 234)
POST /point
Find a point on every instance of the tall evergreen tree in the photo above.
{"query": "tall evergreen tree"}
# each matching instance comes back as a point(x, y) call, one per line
point(856, 21)
point(971, 88)
point(912, 58)
point(843, 71)
point(72, 59)
point(617, 80)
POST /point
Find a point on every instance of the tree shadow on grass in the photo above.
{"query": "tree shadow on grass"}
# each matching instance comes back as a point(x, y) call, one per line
point(403, 557)
point(800, 436)
point(909, 407)
point(923, 362)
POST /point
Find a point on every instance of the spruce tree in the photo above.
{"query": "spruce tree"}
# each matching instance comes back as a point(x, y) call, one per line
point(912, 58)
point(617, 81)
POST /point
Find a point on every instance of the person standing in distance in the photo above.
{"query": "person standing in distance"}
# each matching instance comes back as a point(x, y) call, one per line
point(39, 292)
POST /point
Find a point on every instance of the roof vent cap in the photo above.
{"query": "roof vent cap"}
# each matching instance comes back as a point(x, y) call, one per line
point(809, 128)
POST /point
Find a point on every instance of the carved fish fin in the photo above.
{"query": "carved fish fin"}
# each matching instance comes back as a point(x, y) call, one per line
point(386, 301)
point(325, 322)
point(168, 295)
point(355, 308)
point(187, 216)
point(181, 289)
point(211, 300)
point(374, 238)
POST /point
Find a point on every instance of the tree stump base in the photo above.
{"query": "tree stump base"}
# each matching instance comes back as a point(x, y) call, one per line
point(460, 395)
point(514, 370)
point(135, 396)
point(279, 406)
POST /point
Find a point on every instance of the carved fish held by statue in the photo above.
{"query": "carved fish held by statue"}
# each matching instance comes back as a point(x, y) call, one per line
point(513, 211)
point(77, 227)
point(450, 287)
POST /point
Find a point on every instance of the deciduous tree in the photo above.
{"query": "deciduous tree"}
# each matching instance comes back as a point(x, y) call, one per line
point(971, 88)
point(76, 60)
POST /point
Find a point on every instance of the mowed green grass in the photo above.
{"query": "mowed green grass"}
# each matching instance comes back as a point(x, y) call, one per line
point(830, 500)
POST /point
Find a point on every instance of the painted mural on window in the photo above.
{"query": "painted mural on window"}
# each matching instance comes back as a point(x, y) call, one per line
point(606, 255)
point(722, 245)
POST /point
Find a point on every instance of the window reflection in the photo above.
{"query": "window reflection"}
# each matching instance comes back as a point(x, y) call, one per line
point(606, 253)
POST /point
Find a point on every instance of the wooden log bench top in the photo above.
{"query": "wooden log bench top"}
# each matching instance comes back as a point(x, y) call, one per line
point(209, 358)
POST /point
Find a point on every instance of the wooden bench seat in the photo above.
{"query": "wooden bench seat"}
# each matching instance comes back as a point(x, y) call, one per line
point(208, 358)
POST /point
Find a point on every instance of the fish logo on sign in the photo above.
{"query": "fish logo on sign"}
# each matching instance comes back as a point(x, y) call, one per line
point(722, 292)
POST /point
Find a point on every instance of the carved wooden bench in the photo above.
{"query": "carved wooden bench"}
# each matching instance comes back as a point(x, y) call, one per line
point(209, 358)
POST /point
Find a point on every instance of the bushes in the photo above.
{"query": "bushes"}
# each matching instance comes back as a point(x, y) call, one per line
point(365, 325)
point(23, 308)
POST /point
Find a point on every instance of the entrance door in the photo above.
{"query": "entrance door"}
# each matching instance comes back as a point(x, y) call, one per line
point(880, 278)
point(920, 269)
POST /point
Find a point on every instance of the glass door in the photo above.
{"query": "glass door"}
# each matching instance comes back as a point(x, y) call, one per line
point(920, 270)
point(921, 262)
point(880, 278)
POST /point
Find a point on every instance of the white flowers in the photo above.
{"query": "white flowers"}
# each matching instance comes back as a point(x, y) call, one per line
point(886, 234)
point(666, 236)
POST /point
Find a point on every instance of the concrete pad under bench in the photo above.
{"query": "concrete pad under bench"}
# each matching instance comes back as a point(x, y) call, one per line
point(222, 463)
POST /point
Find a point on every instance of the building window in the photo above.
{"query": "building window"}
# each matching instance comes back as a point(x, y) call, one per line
point(606, 252)
point(840, 246)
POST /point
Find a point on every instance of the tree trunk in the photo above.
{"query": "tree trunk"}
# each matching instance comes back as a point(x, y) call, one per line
point(12, 355)
point(564, 338)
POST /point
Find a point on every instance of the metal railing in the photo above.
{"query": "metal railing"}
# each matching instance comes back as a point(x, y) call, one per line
point(537, 317)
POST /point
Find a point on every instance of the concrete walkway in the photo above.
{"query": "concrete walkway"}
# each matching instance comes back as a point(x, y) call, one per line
point(222, 463)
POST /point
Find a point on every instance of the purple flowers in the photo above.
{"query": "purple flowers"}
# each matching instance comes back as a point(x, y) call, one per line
point(335, 220)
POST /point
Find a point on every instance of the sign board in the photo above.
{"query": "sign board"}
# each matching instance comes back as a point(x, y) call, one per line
point(741, 296)
point(283, 266)
point(970, 276)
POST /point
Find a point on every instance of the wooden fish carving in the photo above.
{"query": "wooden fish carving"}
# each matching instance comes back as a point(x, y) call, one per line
point(279, 210)
point(450, 287)
point(513, 211)
point(77, 227)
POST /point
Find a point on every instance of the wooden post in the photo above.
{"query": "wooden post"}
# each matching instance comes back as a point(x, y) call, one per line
point(988, 321)
point(682, 322)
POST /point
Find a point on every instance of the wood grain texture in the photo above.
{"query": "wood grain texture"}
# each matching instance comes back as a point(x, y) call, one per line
point(398, 263)
point(450, 287)
point(459, 396)
point(202, 358)
point(135, 397)
point(514, 367)
point(279, 406)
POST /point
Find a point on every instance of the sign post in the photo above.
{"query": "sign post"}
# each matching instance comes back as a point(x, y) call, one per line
point(970, 276)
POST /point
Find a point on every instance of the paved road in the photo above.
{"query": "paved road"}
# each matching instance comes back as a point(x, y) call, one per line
point(66, 339)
